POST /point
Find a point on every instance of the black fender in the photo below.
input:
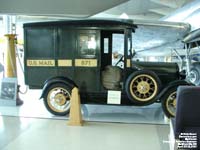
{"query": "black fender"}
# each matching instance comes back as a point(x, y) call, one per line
point(58, 79)
point(172, 84)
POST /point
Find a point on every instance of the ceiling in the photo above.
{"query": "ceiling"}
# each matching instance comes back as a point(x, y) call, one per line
point(60, 8)
point(135, 9)
point(145, 9)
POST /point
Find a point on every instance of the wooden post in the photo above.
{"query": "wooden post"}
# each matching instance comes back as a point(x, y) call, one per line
point(75, 116)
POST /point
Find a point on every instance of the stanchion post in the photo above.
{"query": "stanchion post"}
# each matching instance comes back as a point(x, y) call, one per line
point(75, 116)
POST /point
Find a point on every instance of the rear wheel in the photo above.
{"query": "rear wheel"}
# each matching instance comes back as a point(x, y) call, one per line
point(169, 102)
point(142, 87)
point(57, 99)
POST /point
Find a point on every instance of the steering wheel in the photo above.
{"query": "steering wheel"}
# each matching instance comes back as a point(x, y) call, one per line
point(120, 60)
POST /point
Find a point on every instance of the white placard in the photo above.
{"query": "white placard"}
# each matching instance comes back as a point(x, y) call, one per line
point(8, 91)
point(114, 97)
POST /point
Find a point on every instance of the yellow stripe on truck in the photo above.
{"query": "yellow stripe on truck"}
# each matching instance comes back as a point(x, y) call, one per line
point(86, 62)
point(41, 63)
point(64, 62)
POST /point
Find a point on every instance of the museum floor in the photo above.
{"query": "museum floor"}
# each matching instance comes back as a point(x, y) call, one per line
point(31, 126)
point(19, 133)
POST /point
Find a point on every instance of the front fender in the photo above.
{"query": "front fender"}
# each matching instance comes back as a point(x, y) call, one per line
point(175, 83)
point(54, 80)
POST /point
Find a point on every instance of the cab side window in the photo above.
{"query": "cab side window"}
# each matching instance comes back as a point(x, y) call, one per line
point(87, 45)
point(117, 49)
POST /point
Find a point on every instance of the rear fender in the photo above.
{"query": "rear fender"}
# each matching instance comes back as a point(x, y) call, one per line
point(173, 84)
point(54, 80)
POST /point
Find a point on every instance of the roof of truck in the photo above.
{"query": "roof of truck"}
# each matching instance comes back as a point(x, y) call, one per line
point(85, 23)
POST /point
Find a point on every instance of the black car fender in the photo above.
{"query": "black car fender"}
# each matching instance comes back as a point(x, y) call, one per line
point(58, 79)
point(172, 84)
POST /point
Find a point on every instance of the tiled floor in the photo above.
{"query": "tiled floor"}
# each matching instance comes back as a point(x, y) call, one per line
point(31, 126)
point(18, 133)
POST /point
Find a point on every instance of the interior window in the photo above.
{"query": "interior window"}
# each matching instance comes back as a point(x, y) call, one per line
point(117, 49)
point(106, 44)
point(87, 45)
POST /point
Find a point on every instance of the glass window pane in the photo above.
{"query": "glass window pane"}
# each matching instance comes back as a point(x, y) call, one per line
point(106, 45)
point(118, 50)
point(118, 43)
point(87, 45)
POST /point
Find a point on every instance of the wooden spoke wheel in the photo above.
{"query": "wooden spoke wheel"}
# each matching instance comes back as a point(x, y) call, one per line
point(142, 87)
point(169, 102)
point(57, 99)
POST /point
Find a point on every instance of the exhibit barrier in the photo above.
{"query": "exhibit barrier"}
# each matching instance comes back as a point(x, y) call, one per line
point(75, 116)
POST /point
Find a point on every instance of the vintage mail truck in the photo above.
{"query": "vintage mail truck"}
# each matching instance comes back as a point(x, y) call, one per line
point(95, 56)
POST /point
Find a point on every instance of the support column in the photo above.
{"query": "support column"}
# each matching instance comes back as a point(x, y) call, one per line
point(10, 57)
point(10, 52)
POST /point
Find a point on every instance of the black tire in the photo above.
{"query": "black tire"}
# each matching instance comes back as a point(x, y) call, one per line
point(169, 102)
point(57, 99)
point(142, 87)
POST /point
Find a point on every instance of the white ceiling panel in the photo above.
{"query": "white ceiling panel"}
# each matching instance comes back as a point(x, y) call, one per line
point(74, 8)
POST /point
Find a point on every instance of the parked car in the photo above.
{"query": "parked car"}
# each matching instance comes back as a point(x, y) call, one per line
point(80, 53)
point(189, 59)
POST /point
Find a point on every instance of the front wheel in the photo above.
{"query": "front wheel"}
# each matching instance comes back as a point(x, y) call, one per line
point(57, 99)
point(142, 87)
point(169, 102)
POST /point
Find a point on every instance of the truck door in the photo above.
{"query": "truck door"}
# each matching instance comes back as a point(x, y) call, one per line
point(112, 47)
point(86, 61)
point(116, 53)
point(128, 50)
point(106, 48)
point(112, 59)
